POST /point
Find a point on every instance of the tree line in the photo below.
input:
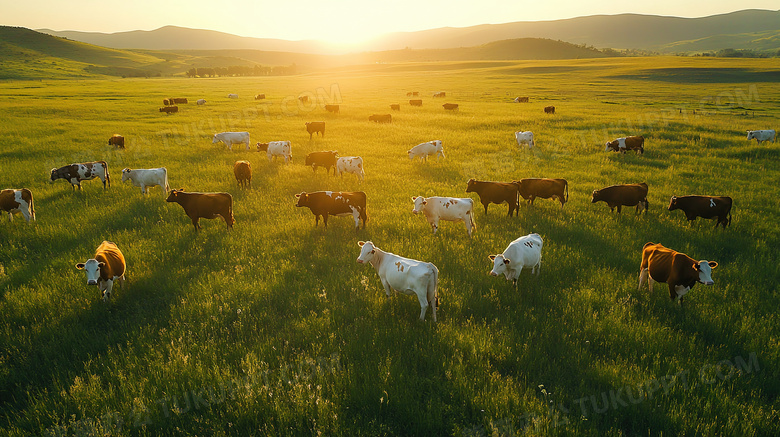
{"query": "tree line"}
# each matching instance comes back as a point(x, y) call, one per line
point(242, 70)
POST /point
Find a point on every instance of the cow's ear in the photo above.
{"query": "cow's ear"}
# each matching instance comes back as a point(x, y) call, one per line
point(101, 264)
point(297, 196)
point(713, 264)
point(80, 266)
point(492, 257)
point(414, 198)
point(361, 243)
point(425, 202)
point(506, 261)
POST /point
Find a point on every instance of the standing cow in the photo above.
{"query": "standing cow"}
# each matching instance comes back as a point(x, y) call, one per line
point(525, 252)
point(761, 135)
point(423, 150)
point(326, 159)
point(678, 270)
point(635, 143)
point(75, 173)
point(242, 170)
point(495, 192)
point(338, 203)
point(351, 164)
point(17, 201)
point(704, 206)
point(526, 137)
point(623, 195)
point(204, 205)
point(147, 177)
point(274, 149)
point(107, 266)
point(531, 188)
point(317, 127)
point(230, 138)
point(117, 140)
point(446, 208)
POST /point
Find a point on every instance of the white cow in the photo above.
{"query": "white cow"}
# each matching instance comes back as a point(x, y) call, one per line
point(761, 135)
point(525, 138)
point(446, 208)
point(201, 101)
point(525, 252)
point(424, 149)
point(232, 96)
point(230, 138)
point(403, 274)
point(350, 164)
point(147, 177)
point(276, 148)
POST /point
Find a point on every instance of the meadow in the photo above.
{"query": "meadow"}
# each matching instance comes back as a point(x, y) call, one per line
point(274, 329)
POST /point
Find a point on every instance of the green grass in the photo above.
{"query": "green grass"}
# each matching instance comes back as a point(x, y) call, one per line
point(274, 329)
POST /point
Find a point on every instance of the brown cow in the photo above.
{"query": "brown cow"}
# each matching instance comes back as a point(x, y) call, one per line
point(313, 127)
point(304, 99)
point(636, 144)
point(381, 118)
point(168, 110)
point(625, 194)
point(521, 99)
point(243, 172)
point(395, 107)
point(332, 108)
point(323, 159)
point(259, 96)
point(75, 173)
point(531, 188)
point(678, 270)
point(107, 266)
point(167, 102)
point(117, 140)
point(450, 106)
point(440, 94)
point(338, 203)
point(415, 102)
point(204, 205)
point(495, 192)
point(13, 201)
point(177, 100)
point(549, 109)
point(704, 206)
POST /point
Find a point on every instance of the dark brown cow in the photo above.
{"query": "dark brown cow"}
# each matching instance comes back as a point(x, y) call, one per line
point(678, 270)
point(495, 192)
point(395, 107)
point(332, 108)
point(313, 127)
point(620, 195)
point(204, 205)
point(636, 144)
point(450, 106)
point(13, 201)
point(259, 96)
point(326, 159)
point(704, 206)
point(117, 140)
point(167, 102)
point(168, 110)
point(521, 99)
point(338, 203)
point(381, 118)
point(177, 100)
point(549, 109)
point(243, 172)
point(304, 99)
point(415, 102)
point(107, 266)
point(75, 173)
point(531, 188)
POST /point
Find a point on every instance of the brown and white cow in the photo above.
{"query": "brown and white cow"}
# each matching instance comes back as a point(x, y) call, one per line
point(495, 192)
point(350, 164)
point(17, 201)
point(635, 143)
point(243, 173)
point(75, 173)
point(549, 109)
point(623, 195)
point(326, 159)
point(531, 188)
point(440, 94)
point(204, 205)
point(521, 99)
point(332, 108)
point(107, 266)
point(117, 140)
point(678, 270)
point(450, 106)
point(381, 118)
point(168, 110)
point(259, 96)
point(313, 127)
point(338, 203)
point(704, 206)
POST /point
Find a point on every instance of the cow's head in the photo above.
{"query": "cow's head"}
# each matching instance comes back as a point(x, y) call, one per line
point(215, 140)
point(125, 174)
point(610, 146)
point(173, 196)
point(440, 151)
point(367, 251)
point(470, 185)
point(673, 204)
point(595, 196)
point(262, 147)
point(53, 174)
point(750, 134)
point(499, 264)
point(704, 268)
point(92, 267)
point(419, 203)
point(303, 199)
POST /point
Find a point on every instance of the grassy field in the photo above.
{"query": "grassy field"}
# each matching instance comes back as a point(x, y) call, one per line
point(274, 329)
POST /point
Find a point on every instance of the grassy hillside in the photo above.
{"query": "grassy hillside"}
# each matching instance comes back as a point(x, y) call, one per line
point(768, 41)
point(274, 329)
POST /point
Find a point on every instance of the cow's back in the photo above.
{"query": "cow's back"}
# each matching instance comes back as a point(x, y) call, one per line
point(113, 259)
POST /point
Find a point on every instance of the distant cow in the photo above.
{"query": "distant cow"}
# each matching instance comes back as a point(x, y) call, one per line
point(408, 276)
point(623, 144)
point(201, 101)
point(440, 94)
point(149, 177)
point(332, 108)
point(323, 159)
point(230, 138)
point(423, 150)
point(495, 192)
point(350, 164)
point(167, 102)
point(415, 102)
point(395, 107)
point(446, 208)
point(243, 172)
point(274, 149)
point(380, 118)
point(549, 109)
point(75, 173)
point(313, 127)
point(704, 206)
point(761, 135)
point(531, 188)
point(338, 203)
point(117, 140)
point(204, 205)
point(304, 99)
point(526, 137)
point(182, 100)
point(678, 270)
point(521, 99)
point(620, 195)
point(107, 266)
point(168, 110)
point(413, 94)
point(17, 201)
point(259, 96)
point(525, 252)
point(232, 96)
point(450, 106)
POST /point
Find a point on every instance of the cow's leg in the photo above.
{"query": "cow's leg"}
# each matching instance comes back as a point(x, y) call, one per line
point(386, 285)
point(122, 282)
point(643, 275)
point(467, 223)
point(143, 188)
point(485, 205)
point(195, 223)
point(356, 217)
point(316, 220)
point(422, 297)
point(107, 293)
point(619, 208)
point(435, 225)
point(650, 282)
point(325, 219)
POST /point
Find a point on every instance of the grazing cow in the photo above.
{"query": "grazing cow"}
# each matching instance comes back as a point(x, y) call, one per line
point(625, 194)
point(406, 275)
point(549, 109)
point(259, 96)
point(338, 203)
point(705, 207)
point(232, 96)
point(75, 173)
point(422, 150)
point(167, 102)
point(624, 144)
point(495, 192)
point(413, 94)
point(526, 137)
point(531, 188)
point(117, 140)
point(313, 127)
point(145, 178)
point(415, 102)
point(230, 138)
point(450, 106)
point(525, 252)
point(678, 270)
point(204, 205)
point(178, 100)
point(273, 149)
point(243, 172)
point(168, 110)
point(761, 135)
point(323, 159)
point(395, 107)
point(446, 208)
point(332, 108)
point(304, 99)
point(107, 266)
point(440, 94)
point(201, 101)
point(380, 118)
point(350, 164)
point(521, 99)
point(13, 201)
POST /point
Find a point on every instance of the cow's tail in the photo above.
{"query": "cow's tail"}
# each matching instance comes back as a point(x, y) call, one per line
point(435, 290)
point(167, 187)
point(105, 168)
point(566, 185)
point(471, 217)
point(32, 207)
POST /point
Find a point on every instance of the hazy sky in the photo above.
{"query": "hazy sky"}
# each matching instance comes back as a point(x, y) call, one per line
point(334, 20)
